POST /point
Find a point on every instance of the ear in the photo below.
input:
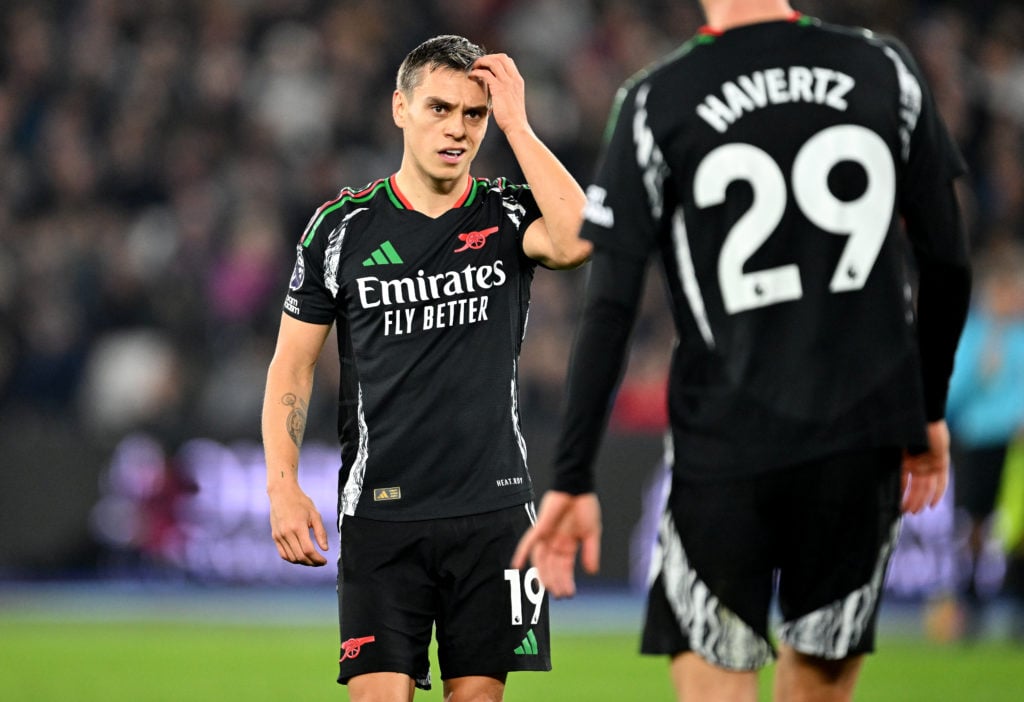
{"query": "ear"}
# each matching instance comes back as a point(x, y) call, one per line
point(398, 107)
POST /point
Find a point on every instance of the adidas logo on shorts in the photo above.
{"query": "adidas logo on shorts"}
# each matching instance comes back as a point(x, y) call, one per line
point(529, 645)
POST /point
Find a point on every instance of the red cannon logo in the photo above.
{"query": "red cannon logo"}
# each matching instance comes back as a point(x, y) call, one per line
point(475, 240)
point(352, 647)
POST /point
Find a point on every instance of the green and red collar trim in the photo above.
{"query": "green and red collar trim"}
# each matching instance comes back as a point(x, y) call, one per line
point(402, 202)
point(390, 188)
point(707, 32)
point(345, 196)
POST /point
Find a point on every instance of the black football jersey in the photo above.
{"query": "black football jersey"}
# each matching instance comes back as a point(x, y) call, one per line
point(768, 166)
point(430, 316)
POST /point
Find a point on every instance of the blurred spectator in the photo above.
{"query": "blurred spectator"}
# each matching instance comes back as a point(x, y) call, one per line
point(160, 157)
point(986, 404)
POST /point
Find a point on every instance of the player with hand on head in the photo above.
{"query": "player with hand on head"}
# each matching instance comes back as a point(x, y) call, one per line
point(426, 277)
point(790, 175)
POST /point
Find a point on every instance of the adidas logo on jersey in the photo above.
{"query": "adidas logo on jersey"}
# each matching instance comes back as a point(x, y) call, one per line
point(528, 647)
point(387, 494)
point(383, 255)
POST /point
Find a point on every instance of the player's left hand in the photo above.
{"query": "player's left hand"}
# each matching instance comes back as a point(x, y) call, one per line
point(565, 524)
point(506, 87)
point(926, 475)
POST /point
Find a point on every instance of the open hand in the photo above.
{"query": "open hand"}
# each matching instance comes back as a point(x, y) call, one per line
point(566, 523)
point(926, 475)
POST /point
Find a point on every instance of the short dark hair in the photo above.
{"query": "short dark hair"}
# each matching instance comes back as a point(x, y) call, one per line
point(445, 51)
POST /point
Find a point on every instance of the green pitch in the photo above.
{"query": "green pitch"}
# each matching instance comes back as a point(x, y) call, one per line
point(87, 661)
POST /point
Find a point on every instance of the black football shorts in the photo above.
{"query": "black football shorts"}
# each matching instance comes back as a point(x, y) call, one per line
point(397, 580)
point(818, 536)
point(979, 473)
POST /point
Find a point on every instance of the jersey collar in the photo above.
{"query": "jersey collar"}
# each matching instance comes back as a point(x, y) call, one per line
point(709, 31)
point(406, 205)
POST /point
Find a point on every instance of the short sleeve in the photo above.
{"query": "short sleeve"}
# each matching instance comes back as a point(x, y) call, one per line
point(523, 196)
point(308, 298)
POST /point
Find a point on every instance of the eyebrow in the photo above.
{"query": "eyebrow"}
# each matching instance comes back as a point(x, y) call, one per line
point(432, 100)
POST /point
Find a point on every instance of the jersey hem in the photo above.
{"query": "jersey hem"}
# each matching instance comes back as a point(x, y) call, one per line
point(515, 500)
point(305, 318)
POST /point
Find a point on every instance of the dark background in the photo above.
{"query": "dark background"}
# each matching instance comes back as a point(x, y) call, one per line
point(158, 161)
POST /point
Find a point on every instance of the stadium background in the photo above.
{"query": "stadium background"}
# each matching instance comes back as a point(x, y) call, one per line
point(159, 160)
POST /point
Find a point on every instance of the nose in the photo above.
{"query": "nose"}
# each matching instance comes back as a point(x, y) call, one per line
point(454, 126)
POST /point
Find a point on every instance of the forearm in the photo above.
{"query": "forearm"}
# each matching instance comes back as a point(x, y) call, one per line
point(284, 422)
point(559, 197)
point(597, 366)
point(943, 300)
point(944, 291)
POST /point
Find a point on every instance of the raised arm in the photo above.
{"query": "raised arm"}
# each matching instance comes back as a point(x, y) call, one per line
point(289, 385)
point(553, 240)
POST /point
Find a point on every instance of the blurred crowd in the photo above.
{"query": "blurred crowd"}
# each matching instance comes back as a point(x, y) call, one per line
point(161, 158)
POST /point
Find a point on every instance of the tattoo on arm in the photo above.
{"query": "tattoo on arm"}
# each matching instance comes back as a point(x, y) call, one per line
point(296, 421)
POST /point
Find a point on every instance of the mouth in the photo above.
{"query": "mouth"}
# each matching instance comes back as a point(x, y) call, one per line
point(451, 155)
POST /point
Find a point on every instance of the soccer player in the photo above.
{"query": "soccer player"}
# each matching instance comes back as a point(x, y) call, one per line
point(426, 276)
point(783, 169)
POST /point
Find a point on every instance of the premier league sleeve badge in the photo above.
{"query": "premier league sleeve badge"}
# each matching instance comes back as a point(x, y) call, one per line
point(299, 273)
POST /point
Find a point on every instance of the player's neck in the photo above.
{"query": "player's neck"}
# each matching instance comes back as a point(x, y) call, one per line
point(723, 15)
point(430, 196)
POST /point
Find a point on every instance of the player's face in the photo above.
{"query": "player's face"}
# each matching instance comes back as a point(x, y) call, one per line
point(444, 121)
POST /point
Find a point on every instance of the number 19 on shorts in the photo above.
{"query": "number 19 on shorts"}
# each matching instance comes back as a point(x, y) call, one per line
point(534, 593)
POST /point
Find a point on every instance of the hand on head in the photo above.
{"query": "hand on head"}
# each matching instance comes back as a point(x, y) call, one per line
point(505, 87)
